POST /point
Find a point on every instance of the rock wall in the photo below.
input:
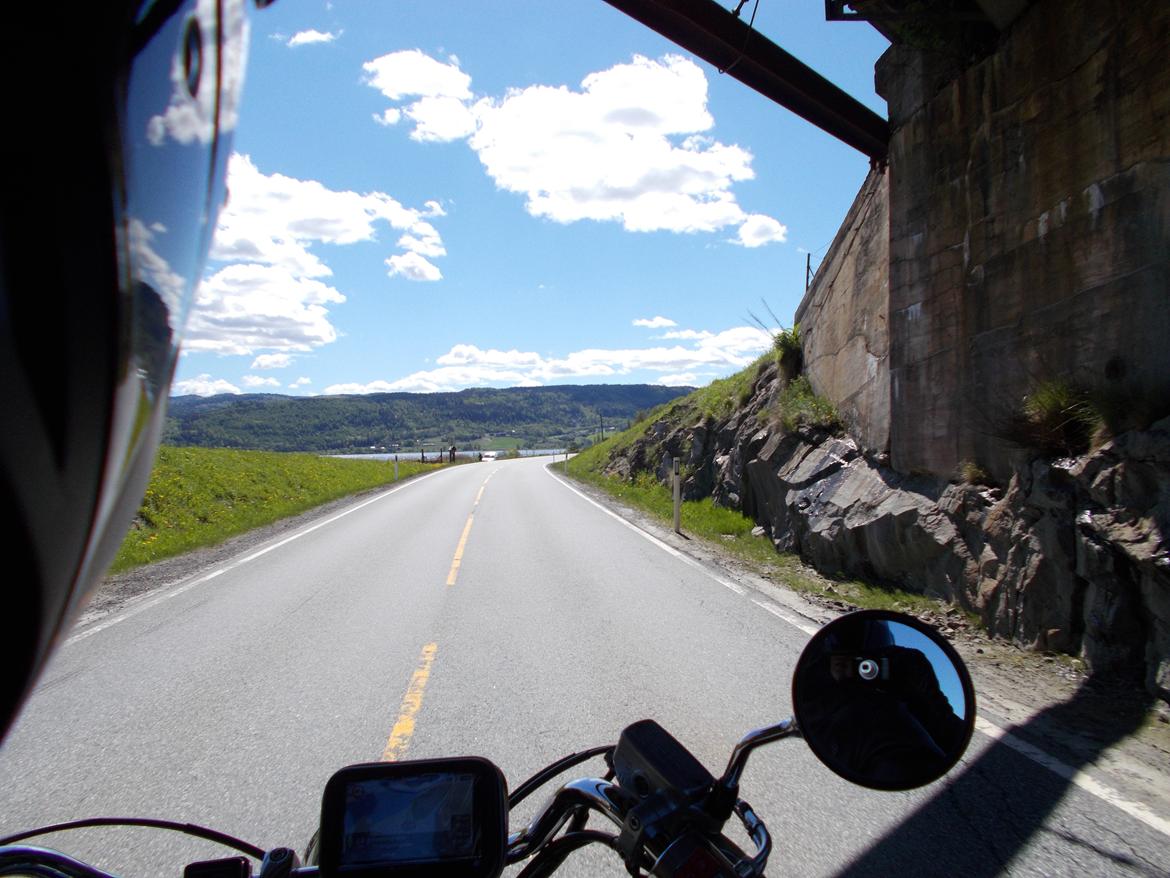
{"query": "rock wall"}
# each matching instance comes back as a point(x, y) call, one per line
point(1072, 556)
point(1029, 220)
point(843, 318)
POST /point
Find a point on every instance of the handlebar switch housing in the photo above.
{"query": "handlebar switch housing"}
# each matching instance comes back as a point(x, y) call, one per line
point(226, 867)
point(649, 759)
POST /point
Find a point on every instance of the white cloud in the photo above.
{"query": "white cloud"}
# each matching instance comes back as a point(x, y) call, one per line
point(189, 118)
point(272, 361)
point(758, 230)
point(435, 380)
point(308, 37)
point(466, 365)
point(628, 146)
point(441, 119)
point(413, 73)
point(425, 241)
point(686, 334)
point(654, 322)
point(203, 385)
point(434, 209)
point(466, 354)
point(389, 116)
point(259, 381)
point(152, 269)
point(412, 266)
point(244, 308)
point(274, 219)
point(301, 382)
point(272, 296)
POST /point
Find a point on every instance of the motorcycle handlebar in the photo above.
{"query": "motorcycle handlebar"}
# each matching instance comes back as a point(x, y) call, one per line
point(44, 863)
point(601, 796)
point(614, 803)
point(592, 794)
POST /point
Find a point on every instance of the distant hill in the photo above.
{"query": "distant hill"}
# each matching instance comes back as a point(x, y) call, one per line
point(532, 417)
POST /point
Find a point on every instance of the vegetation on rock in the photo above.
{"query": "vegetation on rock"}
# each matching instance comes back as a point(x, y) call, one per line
point(798, 406)
point(1055, 419)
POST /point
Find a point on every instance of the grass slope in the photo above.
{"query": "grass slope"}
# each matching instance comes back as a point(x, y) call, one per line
point(726, 528)
point(201, 496)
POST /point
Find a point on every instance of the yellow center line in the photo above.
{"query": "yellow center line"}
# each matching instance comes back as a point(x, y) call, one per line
point(403, 729)
point(453, 573)
point(458, 559)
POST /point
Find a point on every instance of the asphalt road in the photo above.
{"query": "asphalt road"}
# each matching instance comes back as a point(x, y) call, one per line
point(228, 699)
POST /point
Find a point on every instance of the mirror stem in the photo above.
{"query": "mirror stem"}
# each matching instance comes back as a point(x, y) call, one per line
point(726, 790)
point(749, 742)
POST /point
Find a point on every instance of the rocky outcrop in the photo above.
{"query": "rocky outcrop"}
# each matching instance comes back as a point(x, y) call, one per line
point(1071, 556)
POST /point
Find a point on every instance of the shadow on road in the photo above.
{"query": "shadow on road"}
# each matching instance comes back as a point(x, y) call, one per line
point(985, 816)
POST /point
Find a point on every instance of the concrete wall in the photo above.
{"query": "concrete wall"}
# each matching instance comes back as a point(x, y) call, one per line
point(1029, 215)
point(843, 318)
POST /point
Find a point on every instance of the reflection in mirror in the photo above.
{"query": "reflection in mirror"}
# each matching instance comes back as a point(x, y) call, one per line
point(883, 700)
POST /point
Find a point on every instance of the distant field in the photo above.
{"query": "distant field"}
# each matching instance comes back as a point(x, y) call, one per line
point(201, 496)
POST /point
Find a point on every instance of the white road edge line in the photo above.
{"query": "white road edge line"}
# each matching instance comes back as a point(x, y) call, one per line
point(775, 610)
point(1078, 777)
point(670, 550)
point(180, 589)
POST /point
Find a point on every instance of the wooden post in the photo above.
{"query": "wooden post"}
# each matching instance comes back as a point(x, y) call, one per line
point(677, 497)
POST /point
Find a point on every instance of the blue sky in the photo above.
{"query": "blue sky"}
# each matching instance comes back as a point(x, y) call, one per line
point(432, 196)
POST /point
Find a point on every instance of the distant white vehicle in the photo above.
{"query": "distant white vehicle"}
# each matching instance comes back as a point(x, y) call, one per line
point(490, 455)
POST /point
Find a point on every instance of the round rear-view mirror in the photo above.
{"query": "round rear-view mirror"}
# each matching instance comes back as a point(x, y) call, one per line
point(883, 700)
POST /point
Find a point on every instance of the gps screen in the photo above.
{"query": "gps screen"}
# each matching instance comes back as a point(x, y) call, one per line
point(419, 819)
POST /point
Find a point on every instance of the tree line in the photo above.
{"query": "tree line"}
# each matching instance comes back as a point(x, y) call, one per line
point(533, 417)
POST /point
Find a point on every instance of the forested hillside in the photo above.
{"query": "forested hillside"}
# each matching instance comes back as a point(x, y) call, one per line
point(531, 417)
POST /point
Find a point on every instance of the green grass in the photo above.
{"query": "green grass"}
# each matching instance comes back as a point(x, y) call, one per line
point(1054, 419)
point(971, 473)
point(201, 496)
point(798, 406)
point(722, 397)
point(499, 443)
point(731, 531)
point(726, 528)
point(786, 342)
point(717, 400)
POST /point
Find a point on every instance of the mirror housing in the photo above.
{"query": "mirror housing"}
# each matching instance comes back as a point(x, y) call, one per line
point(883, 700)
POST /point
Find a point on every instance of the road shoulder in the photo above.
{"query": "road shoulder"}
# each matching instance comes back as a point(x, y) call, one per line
point(1108, 727)
point(119, 591)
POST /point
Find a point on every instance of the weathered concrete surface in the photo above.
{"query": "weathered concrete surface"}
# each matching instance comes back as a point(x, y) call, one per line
point(843, 318)
point(1029, 220)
